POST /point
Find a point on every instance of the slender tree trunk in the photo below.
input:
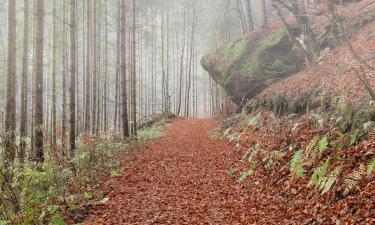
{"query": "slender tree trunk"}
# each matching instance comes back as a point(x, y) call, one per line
point(118, 61)
point(264, 10)
point(64, 80)
point(38, 81)
point(72, 119)
point(10, 107)
point(94, 68)
point(105, 117)
point(250, 20)
point(54, 37)
point(24, 82)
point(125, 124)
point(88, 68)
point(134, 74)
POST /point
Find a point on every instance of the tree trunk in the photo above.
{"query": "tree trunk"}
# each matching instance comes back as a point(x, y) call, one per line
point(134, 75)
point(54, 37)
point(250, 20)
point(125, 124)
point(64, 69)
point(118, 61)
point(10, 107)
point(105, 118)
point(38, 81)
point(72, 119)
point(94, 68)
point(23, 124)
point(264, 10)
point(88, 68)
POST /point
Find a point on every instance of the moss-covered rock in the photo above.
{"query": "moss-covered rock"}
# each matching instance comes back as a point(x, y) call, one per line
point(250, 64)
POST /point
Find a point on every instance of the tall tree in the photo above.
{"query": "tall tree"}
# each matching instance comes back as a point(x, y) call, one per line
point(264, 10)
point(134, 74)
point(25, 53)
point(118, 65)
point(72, 119)
point(38, 81)
point(10, 107)
point(124, 104)
point(250, 20)
point(54, 37)
point(105, 116)
point(88, 68)
point(94, 68)
point(64, 80)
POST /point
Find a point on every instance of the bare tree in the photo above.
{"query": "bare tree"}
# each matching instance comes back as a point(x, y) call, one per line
point(38, 81)
point(23, 123)
point(124, 103)
point(10, 107)
point(72, 118)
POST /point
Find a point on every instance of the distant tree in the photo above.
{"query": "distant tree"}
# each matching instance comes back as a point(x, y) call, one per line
point(10, 107)
point(24, 81)
point(72, 118)
point(54, 103)
point(134, 74)
point(38, 155)
point(88, 67)
point(124, 103)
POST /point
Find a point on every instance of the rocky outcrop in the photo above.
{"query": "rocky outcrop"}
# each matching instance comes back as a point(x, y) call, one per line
point(251, 63)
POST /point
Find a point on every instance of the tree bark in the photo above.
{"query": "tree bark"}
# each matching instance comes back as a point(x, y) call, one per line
point(72, 119)
point(124, 105)
point(54, 37)
point(23, 124)
point(38, 81)
point(134, 74)
point(10, 107)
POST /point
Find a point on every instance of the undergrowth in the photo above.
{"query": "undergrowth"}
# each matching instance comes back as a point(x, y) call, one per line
point(49, 193)
point(315, 147)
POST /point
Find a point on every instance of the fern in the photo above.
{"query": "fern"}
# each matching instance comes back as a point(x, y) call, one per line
point(371, 166)
point(330, 180)
point(352, 180)
point(296, 168)
point(323, 144)
point(232, 172)
point(319, 174)
point(255, 120)
point(246, 175)
point(312, 151)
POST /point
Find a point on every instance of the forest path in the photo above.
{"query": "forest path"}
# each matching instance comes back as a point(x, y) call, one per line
point(181, 178)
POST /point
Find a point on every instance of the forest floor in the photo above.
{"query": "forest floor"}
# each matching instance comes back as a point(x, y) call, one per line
point(183, 178)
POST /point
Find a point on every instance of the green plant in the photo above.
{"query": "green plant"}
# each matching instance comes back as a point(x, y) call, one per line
point(352, 180)
point(254, 120)
point(327, 182)
point(232, 171)
point(150, 133)
point(323, 144)
point(245, 175)
point(319, 174)
point(371, 166)
point(296, 168)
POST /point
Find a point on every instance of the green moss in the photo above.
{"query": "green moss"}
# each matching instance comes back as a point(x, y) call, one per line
point(279, 66)
point(272, 40)
point(235, 51)
point(255, 65)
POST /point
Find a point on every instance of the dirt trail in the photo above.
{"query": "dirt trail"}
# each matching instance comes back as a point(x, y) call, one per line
point(180, 179)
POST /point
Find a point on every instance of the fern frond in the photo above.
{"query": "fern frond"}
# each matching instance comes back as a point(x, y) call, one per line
point(313, 145)
point(323, 144)
point(352, 180)
point(296, 168)
point(371, 166)
point(331, 179)
point(319, 174)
